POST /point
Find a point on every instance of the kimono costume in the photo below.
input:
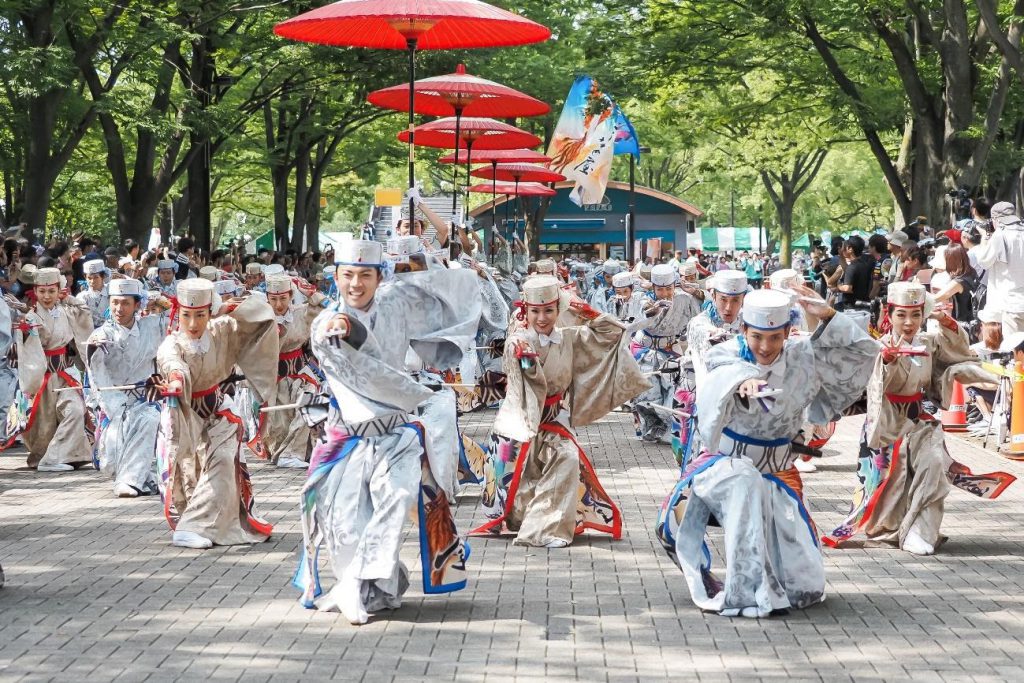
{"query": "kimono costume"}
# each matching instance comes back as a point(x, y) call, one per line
point(8, 374)
point(53, 424)
point(203, 477)
point(127, 434)
point(97, 303)
point(905, 469)
point(745, 478)
point(377, 460)
point(540, 484)
point(285, 432)
point(655, 349)
point(703, 331)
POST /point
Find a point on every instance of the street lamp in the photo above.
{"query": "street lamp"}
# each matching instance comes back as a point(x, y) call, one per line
point(631, 224)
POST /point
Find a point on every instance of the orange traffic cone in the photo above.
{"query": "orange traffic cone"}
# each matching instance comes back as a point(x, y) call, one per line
point(1015, 448)
point(955, 419)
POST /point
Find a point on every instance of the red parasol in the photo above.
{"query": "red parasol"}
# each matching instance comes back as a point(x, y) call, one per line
point(515, 173)
point(412, 25)
point(459, 94)
point(474, 132)
point(510, 189)
point(495, 156)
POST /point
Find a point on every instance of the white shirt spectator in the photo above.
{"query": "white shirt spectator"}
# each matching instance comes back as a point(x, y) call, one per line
point(1003, 257)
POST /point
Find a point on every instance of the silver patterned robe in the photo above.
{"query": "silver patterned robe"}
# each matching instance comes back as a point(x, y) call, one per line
point(126, 443)
point(97, 302)
point(377, 460)
point(746, 480)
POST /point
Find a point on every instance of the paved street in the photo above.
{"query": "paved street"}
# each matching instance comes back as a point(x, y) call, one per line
point(95, 592)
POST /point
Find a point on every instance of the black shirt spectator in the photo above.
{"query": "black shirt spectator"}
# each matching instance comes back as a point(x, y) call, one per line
point(858, 274)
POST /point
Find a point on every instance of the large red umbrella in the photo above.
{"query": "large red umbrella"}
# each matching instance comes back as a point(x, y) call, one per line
point(412, 25)
point(474, 132)
point(511, 190)
point(496, 156)
point(515, 173)
point(459, 94)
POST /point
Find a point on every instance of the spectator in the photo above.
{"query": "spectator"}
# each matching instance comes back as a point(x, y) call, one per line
point(898, 243)
point(1002, 255)
point(962, 282)
point(878, 249)
point(856, 283)
point(913, 261)
point(677, 258)
point(755, 271)
point(981, 212)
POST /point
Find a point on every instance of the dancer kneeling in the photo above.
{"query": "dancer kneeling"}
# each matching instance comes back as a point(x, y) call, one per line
point(539, 482)
point(752, 405)
point(905, 469)
point(204, 480)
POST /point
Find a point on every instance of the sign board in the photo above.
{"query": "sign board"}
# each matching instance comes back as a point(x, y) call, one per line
point(387, 196)
point(654, 248)
point(617, 252)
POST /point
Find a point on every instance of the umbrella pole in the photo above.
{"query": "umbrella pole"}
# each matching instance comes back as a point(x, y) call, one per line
point(519, 205)
point(455, 166)
point(411, 43)
point(469, 165)
point(508, 200)
point(494, 195)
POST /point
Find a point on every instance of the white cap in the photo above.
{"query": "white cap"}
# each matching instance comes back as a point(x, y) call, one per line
point(94, 267)
point(687, 268)
point(541, 290)
point(622, 280)
point(273, 269)
point(360, 253)
point(225, 287)
point(545, 266)
point(125, 261)
point(987, 315)
point(906, 294)
point(209, 273)
point(253, 268)
point(938, 261)
point(766, 309)
point(125, 287)
point(730, 282)
point(46, 276)
point(784, 279)
point(195, 293)
point(611, 266)
point(664, 275)
point(400, 248)
point(167, 264)
point(279, 284)
point(1011, 342)
point(329, 273)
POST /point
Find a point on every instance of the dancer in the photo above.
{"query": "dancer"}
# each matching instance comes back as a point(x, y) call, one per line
point(540, 484)
point(658, 347)
point(121, 353)
point(204, 480)
point(752, 404)
point(905, 468)
point(377, 460)
point(166, 277)
point(628, 304)
point(54, 332)
point(95, 296)
point(285, 433)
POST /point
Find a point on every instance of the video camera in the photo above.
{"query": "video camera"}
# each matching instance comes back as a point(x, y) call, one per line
point(960, 200)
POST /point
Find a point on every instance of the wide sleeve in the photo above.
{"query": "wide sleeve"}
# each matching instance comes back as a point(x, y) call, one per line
point(363, 385)
point(844, 355)
point(440, 310)
point(81, 321)
point(605, 374)
point(250, 333)
point(954, 360)
point(525, 391)
point(716, 396)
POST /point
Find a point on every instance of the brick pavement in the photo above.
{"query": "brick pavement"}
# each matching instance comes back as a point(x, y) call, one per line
point(95, 592)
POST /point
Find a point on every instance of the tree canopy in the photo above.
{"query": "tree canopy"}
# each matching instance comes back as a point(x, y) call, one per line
point(806, 116)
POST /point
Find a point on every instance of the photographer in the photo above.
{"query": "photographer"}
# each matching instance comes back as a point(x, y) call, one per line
point(1002, 255)
point(981, 212)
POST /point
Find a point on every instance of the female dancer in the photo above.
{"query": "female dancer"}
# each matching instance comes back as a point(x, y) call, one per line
point(539, 482)
point(905, 469)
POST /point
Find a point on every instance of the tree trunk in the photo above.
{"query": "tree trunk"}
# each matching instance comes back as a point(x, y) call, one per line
point(301, 199)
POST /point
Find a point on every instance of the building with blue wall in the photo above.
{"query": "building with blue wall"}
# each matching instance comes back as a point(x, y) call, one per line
point(600, 229)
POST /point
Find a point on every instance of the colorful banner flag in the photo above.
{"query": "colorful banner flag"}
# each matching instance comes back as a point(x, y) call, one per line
point(626, 140)
point(583, 144)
